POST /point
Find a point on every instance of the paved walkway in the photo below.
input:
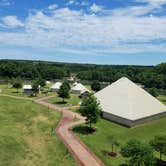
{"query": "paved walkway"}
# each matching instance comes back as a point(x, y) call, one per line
point(83, 155)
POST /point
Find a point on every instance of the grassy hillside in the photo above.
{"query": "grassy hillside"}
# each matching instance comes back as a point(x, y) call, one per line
point(99, 141)
point(27, 135)
point(9, 90)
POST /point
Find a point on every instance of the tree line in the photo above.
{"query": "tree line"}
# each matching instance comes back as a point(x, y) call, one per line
point(30, 70)
point(150, 76)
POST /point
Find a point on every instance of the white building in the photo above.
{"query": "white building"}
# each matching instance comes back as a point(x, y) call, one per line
point(126, 103)
point(48, 82)
point(75, 83)
point(79, 89)
point(27, 89)
point(55, 87)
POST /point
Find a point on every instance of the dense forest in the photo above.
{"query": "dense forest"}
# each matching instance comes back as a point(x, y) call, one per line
point(150, 76)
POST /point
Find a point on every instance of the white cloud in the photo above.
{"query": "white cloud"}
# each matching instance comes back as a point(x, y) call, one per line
point(5, 3)
point(96, 8)
point(154, 2)
point(77, 3)
point(12, 22)
point(149, 8)
point(72, 31)
point(84, 3)
point(53, 6)
point(72, 2)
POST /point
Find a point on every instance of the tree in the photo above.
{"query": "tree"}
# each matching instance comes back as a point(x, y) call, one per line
point(41, 82)
point(161, 68)
point(95, 85)
point(153, 92)
point(90, 109)
point(67, 85)
point(64, 91)
point(35, 86)
point(114, 143)
point(139, 153)
point(17, 83)
point(159, 144)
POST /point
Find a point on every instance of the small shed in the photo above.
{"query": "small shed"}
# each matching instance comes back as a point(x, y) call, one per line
point(48, 82)
point(75, 83)
point(27, 89)
point(79, 89)
point(55, 87)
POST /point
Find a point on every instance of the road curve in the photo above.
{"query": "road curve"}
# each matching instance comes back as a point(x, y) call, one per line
point(82, 154)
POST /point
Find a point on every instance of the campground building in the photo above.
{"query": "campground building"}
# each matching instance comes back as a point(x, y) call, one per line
point(55, 87)
point(79, 89)
point(128, 104)
point(27, 89)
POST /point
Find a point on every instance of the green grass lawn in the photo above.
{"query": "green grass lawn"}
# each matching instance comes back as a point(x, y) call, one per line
point(72, 101)
point(27, 136)
point(98, 141)
point(74, 109)
point(162, 98)
point(7, 89)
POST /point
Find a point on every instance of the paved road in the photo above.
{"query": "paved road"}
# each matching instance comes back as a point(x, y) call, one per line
point(83, 155)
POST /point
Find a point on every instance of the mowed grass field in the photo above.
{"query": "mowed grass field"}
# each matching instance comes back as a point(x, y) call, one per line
point(74, 100)
point(9, 90)
point(27, 136)
point(162, 98)
point(99, 142)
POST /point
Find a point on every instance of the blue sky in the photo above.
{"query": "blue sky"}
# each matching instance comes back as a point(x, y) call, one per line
point(87, 31)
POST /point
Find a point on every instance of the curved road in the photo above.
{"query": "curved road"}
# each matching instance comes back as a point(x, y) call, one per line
point(83, 155)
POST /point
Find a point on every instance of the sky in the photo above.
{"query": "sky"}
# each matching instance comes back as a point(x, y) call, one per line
point(84, 31)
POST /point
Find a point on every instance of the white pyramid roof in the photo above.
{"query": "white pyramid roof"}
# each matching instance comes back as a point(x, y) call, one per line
point(125, 99)
point(56, 85)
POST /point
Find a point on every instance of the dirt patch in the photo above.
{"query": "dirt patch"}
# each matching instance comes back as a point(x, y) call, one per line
point(35, 155)
point(34, 143)
point(40, 118)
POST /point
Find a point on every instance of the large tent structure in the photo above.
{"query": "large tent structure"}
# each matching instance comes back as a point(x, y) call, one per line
point(55, 87)
point(79, 89)
point(126, 103)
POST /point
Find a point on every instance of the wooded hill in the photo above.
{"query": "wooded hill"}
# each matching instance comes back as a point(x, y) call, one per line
point(150, 76)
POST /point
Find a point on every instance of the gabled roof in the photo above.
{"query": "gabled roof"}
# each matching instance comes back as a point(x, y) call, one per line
point(28, 87)
point(75, 83)
point(56, 85)
point(79, 87)
point(125, 99)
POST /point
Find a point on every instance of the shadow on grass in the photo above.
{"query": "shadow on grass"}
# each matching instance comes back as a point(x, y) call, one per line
point(161, 163)
point(60, 102)
point(16, 92)
point(109, 153)
point(83, 130)
point(164, 101)
point(104, 152)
